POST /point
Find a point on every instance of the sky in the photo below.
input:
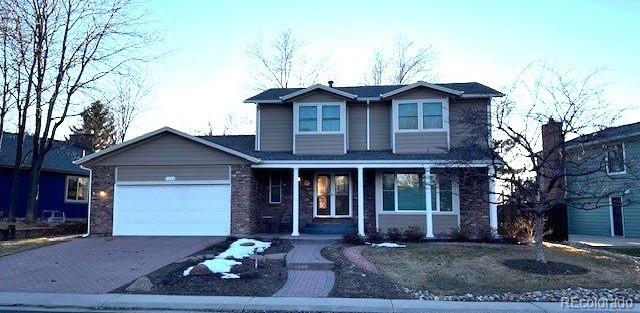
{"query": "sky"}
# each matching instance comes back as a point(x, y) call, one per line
point(205, 72)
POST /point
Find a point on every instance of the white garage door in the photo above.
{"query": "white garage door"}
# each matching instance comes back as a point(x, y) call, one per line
point(172, 210)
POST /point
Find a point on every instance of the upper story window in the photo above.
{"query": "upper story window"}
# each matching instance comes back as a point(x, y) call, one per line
point(318, 118)
point(77, 189)
point(615, 159)
point(421, 115)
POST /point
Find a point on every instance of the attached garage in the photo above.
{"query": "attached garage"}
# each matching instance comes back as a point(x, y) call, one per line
point(165, 183)
point(172, 210)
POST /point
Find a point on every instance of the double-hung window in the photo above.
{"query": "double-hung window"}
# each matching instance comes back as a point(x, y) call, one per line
point(615, 159)
point(421, 115)
point(77, 189)
point(405, 192)
point(319, 118)
point(275, 187)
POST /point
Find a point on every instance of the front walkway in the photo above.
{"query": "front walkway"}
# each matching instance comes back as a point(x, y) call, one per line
point(604, 241)
point(93, 265)
point(310, 275)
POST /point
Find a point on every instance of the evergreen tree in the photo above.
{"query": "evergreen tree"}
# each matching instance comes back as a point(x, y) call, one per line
point(98, 121)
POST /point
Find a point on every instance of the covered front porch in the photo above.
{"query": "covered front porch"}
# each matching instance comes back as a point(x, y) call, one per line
point(333, 198)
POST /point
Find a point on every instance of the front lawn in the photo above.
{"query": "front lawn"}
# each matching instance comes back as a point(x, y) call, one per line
point(479, 269)
point(15, 246)
point(263, 281)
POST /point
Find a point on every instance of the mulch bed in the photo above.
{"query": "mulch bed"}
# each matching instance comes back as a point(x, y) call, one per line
point(353, 281)
point(531, 266)
point(264, 281)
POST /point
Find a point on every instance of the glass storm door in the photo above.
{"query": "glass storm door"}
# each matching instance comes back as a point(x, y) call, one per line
point(333, 195)
point(323, 196)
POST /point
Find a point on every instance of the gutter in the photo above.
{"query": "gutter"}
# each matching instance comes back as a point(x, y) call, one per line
point(89, 202)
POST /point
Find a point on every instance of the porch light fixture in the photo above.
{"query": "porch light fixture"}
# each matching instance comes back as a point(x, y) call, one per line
point(102, 194)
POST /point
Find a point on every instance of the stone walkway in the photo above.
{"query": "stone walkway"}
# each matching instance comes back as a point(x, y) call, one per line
point(354, 254)
point(310, 275)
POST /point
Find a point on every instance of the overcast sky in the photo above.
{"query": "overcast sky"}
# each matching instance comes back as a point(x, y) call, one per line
point(206, 72)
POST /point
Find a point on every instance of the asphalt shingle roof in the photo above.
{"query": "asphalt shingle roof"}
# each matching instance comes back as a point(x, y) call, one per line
point(374, 91)
point(59, 159)
point(246, 145)
point(606, 134)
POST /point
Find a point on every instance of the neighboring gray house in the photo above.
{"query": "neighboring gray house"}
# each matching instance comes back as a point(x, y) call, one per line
point(324, 159)
point(603, 182)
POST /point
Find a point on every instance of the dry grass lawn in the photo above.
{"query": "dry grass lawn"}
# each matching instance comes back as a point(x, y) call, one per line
point(460, 268)
point(15, 246)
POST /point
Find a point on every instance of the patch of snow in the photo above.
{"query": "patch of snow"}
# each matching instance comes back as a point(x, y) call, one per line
point(388, 245)
point(239, 249)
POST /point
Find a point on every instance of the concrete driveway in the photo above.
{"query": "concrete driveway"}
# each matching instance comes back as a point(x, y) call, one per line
point(93, 265)
point(605, 241)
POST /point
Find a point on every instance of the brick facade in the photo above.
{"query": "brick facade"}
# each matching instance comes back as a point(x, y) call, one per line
point(101, 219)
point(244, 214)
point(474, 201)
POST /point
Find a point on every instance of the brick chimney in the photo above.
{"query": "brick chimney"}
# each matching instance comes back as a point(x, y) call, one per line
point(553, 154)
point(82, 140)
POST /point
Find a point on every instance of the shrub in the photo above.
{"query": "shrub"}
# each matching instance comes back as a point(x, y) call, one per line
point(414, 234)
point(352, 238)
point(459, 234)
point(394, 234)
point(519, 231)
point(375, 237)
point(486, 234)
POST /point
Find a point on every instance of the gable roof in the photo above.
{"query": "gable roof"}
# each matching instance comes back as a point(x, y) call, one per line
point(421, 84)
point(316, 87)
point(469, 90)
point(59, 159)
point(607, 134)
point(170, 130)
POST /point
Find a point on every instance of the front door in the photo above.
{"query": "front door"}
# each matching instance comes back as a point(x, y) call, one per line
point(333, 195)
point(616, 214)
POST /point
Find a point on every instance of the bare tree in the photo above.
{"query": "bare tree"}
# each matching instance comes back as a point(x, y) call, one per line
point(127, 105)
point(233, 122)
point(569, 105)
point(66, 48)
point(282, 63)
point(409, 61)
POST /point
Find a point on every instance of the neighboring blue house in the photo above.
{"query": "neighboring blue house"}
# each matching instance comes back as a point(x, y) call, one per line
point(605, 201)
point(63, 185)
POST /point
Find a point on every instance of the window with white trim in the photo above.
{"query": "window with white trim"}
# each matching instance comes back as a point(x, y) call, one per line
point(404, 191)
point(275, 187)
point(421, 115)
point(319, 118)
point(77, 189)
point(615, 159)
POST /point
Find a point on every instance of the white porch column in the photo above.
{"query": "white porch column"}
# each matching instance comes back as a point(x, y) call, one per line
point(493, 201)
point(360, 201)
point(296, 202)
point(427, 199)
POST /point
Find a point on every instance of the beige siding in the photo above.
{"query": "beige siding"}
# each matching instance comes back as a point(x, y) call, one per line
point(380, 126)
point(468, 122)
point(326, 144)
point(276, 127)
point(181, 173)
point(421, 142)
point(168, 149)
point(319, 96)
point(442, 223)
point(421, 93)
point(357, 125)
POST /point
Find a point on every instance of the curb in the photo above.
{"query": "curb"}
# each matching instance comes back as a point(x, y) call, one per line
point(14, 300)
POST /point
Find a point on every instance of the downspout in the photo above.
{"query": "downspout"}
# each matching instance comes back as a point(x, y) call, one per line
point(88, 203)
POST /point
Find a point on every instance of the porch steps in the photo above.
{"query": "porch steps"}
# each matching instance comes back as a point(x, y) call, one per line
point(334, 228)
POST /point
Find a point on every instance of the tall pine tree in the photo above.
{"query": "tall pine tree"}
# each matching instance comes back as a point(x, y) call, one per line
point(98, 121)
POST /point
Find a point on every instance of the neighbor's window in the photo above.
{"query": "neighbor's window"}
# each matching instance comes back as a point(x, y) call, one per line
point(307, 118)
point(275, 187)
point(77, 189)
point(408, 116)
point(432, 115)
point(615, 159)
point(331, 118)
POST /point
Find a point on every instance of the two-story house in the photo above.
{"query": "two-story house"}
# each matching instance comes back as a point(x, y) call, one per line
point(324, 159)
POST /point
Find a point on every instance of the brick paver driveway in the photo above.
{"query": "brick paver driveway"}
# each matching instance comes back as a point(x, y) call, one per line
point(93, 265)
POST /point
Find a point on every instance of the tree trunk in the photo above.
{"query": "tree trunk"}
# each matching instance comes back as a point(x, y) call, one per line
point(539, 236)
point(32, 197)
point(15, 185)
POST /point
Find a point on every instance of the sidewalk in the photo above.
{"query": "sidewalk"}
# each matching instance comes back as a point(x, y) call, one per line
point(9, 300)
